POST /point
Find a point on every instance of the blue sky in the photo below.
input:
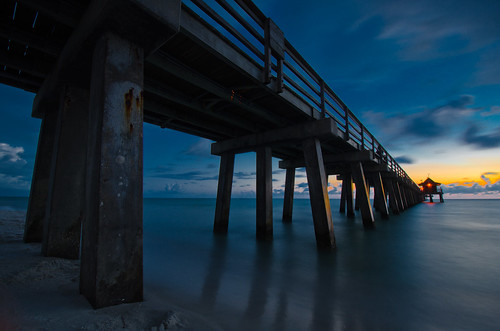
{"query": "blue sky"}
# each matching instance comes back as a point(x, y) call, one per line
point(423, 76)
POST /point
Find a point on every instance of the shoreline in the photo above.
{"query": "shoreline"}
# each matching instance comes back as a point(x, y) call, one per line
point(41, 293)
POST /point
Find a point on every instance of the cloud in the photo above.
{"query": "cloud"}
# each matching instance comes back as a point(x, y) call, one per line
point(403, 159)
point(435, 122)
point(300, 173)
point(428, 123)
point(474, 189)
point(11, 154)
point(303, 185)
point(429, 29)
point(200, 148)
point(494, 110)
point(334, 190)
point(189, 175)
point(485, 175)
point(173, 188)
point(14, 182)
point(483, 141)
point(244, 175)
point(486, 179)
point(278, 192)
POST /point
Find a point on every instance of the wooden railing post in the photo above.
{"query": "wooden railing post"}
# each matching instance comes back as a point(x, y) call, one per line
point(362, 137)
point(279, 83)
point(267, 52)
point(346, 124)
point(274, 44)
point(322, 92)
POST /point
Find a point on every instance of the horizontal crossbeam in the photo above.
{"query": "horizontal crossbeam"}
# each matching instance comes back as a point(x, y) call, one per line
point(325, 128)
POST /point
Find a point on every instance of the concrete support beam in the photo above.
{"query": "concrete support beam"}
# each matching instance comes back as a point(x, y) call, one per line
point(318, 193)
point(325, 128)
point(288, 200)
point(26, 37)
point(33, 229)
point(364, 194)
point(264, 194)
point(224, 188)
point(176, 68)
point(337, 159)
point(131, 19)
point(111, 260)
point(380, 196)
point(66, 198)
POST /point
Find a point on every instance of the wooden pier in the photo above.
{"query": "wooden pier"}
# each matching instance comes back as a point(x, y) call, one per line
point(224, 72)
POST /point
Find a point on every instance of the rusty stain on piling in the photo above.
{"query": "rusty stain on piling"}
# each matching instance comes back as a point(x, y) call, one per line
point(139, 101)
point(128, 103)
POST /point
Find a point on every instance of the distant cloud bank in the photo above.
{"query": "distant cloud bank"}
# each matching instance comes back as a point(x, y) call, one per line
point(12, 154)
point(474, 189)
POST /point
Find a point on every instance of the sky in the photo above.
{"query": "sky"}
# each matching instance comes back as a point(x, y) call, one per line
point(423, 77)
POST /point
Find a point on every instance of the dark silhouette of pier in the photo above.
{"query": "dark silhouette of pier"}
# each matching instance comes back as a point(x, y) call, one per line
point(224, 72)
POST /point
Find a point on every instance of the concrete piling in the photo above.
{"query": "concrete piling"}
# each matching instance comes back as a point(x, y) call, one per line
point(318, 193)
point(364, 194)
point(342, 198)
point(288, 199)
point(348, 194)
point(37, 203)
point(358, 198)
point(66, 197)
point(393, 201)
point(399, 196)
point(264, 194)
point(380, 196)
point(111, 261)
point(224, 188)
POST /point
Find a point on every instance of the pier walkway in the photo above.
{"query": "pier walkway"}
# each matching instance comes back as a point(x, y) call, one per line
point(218, 69)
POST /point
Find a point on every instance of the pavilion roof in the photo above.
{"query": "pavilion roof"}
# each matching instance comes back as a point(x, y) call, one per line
point(429, 181)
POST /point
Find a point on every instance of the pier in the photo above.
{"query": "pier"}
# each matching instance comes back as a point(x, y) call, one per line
point(224, 72)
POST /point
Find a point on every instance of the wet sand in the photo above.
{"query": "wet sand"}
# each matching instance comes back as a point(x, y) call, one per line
point(41, 293)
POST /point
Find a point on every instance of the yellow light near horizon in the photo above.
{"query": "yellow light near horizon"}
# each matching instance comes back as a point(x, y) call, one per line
point(459, 174)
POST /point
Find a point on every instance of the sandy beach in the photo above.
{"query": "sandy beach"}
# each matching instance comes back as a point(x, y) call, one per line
point(41, 293)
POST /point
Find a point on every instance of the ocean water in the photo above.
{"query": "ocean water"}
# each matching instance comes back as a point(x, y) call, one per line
point(434, 267)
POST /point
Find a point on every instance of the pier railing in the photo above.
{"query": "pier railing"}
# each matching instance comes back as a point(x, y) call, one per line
point(256, 36)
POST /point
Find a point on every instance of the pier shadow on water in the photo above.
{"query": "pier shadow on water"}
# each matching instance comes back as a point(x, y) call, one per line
point(433, 267)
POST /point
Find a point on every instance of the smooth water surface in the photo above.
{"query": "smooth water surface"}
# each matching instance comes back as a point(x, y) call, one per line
point(434, 267)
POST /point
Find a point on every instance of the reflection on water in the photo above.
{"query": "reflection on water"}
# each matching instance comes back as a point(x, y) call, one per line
point(433, 267)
